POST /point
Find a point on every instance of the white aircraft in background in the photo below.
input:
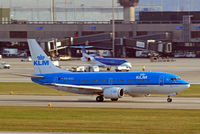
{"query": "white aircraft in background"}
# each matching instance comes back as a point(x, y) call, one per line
point(103, 62)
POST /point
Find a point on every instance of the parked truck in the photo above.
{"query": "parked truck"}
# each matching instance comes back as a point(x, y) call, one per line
point(10, 52)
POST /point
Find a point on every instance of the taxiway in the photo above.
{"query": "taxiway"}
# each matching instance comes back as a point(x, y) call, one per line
point(89, 102)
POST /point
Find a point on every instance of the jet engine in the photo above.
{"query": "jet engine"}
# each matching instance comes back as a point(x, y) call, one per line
point(87, 59)
point(113, 93)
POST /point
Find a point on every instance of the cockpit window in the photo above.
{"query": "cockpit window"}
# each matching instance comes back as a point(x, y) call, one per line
point(175, 79)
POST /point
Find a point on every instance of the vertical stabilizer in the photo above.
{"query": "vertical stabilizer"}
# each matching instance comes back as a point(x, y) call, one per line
point(84, 53)
point(41, 62)
point(86, 57)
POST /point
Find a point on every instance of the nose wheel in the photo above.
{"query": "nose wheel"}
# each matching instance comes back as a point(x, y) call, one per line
point(169, 99)
point(99, 99)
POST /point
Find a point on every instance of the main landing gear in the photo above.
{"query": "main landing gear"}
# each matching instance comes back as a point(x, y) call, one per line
point(169, 99)
point(99, 98)
point(108, 68)
point(114, 99)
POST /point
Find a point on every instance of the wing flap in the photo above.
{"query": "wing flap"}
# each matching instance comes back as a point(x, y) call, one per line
point(90, 88)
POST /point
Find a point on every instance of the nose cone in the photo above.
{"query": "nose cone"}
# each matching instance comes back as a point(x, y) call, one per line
point(128, 64)
point(186, 84)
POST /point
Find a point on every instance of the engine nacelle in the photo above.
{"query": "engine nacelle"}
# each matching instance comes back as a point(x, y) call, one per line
point(113, 92)
point(87, 59)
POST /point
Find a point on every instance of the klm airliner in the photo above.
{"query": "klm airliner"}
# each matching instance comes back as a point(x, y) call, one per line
point(108, 85)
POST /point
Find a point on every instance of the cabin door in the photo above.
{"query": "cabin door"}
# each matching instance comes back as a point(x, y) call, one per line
point(110, 81)
point(161, 81)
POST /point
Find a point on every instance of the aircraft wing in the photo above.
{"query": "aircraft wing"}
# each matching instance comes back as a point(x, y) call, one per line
point(88, 88)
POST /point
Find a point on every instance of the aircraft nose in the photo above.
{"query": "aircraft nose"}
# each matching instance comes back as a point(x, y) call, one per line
point(187, 85)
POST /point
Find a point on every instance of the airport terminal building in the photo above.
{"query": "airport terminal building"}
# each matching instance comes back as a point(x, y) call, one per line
point(91, 23)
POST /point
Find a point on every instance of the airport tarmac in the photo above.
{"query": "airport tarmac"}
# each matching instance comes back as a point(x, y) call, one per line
point(89, 102)
point(186, 68)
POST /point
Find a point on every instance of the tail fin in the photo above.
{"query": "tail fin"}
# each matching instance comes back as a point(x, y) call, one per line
point(83, 50)
point(42, 64)
point(84, 53)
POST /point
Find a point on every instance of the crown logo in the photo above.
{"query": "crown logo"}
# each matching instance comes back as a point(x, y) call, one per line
point(40, 57)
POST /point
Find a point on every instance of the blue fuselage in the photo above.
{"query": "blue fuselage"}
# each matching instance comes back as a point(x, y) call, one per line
point(135, 78)
point(111, 61)
point(111, 78)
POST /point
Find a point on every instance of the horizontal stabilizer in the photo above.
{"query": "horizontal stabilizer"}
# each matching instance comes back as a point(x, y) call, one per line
point(27, 75)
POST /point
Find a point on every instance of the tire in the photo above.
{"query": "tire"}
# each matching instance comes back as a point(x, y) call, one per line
point(114, 99)
point(99, 99)
point(169, 99)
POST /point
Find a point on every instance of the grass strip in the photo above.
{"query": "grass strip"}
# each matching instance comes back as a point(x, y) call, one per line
point(140, 121)
point(28, 88)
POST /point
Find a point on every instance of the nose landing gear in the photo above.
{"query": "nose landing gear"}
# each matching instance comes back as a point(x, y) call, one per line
point(169, 95)
point(169, 99)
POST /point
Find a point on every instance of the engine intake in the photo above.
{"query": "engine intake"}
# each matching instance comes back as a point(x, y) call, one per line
point(113, 92)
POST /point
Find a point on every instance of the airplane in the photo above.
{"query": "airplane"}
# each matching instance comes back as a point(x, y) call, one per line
point(108, 85)
point(103, 62)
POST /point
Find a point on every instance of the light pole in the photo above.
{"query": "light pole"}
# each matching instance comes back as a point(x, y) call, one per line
point(53, 10)
point(113, 28)
point(75, 10)
point(38, 10)
point(65, 10)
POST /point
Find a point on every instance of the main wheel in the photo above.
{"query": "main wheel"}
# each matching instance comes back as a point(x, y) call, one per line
point(114, 99)
point(99, 99)
point(108, 68)
point(169, 99)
